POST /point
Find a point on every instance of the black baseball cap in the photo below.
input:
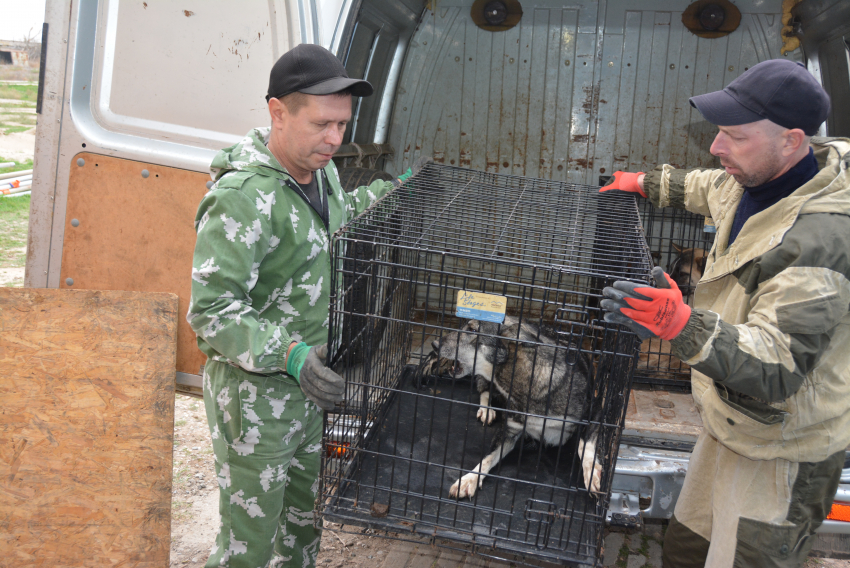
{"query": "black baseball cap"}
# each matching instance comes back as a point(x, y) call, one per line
point(778, 90)
point(313, 70)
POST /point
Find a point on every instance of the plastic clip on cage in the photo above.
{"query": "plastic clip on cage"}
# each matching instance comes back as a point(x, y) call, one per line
point(485, 395)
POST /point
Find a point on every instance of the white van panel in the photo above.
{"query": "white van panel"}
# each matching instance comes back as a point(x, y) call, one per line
point(195, 71)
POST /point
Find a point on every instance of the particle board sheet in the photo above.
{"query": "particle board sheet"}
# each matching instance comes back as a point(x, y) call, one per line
point(86, 427)
point(128, 231)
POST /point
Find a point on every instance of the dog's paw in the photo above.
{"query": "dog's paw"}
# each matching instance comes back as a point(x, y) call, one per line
point(466, 486)
point(591, 468)
point(486, 415)
point(592, 476)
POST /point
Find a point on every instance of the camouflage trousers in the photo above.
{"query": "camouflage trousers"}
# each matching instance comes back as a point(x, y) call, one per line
point(267, 438)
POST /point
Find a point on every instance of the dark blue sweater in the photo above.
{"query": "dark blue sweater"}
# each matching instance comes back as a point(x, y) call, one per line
point(757, 199)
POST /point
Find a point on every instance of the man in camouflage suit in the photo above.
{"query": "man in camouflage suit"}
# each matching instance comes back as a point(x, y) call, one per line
point(260, 294)
point(769, 338)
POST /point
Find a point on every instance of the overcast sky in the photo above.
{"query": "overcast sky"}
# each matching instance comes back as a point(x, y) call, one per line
point(18, 16)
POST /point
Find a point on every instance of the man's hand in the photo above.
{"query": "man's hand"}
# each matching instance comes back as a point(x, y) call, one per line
point(625, 181)
point(320, 384)
point(647, 311)
point(417, 165)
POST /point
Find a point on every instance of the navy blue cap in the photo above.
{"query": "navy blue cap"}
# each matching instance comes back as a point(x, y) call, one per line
point(778, 90)
point(313, 70)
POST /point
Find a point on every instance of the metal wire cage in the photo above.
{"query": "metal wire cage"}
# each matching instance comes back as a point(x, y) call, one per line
point(418, 415)
point(679, 242)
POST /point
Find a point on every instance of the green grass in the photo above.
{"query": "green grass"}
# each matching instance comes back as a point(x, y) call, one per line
point(20, 118)
point(15, 73)
point(14, 219)
point(17, 209)
point(18, 167)
point(180, 423)
point(12, 129)
point(16, 122)
point(17, 105)
point(19, 92)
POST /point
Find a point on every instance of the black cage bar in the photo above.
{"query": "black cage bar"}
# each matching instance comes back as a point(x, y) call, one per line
point(678, 242)
point(416, 415)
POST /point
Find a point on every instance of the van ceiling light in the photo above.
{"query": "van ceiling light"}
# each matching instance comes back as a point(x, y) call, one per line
point(496, 15)
point(711, 18)
point(495, 12)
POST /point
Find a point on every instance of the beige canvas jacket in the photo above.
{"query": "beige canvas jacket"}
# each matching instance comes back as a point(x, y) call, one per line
point(769, 338)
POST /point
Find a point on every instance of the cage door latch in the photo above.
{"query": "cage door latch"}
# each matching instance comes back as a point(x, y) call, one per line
point(624, 510)
point(545, 513)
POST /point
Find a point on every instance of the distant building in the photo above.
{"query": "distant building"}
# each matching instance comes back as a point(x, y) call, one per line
point(14, 53)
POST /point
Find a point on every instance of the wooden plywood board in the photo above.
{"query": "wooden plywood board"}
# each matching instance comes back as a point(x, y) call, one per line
point(86, 427)
point(134, 233)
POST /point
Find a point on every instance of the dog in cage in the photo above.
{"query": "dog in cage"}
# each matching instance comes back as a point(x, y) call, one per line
point(686, 271)
point(534, 375)
point(687, 268)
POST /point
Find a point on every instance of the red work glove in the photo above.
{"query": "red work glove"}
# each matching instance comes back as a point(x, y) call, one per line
point(648, 311)
point(625, 181)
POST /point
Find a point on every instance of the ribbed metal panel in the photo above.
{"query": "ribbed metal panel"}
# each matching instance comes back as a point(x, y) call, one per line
point(571, 92)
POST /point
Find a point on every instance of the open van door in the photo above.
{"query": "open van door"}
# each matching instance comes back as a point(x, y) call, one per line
point(136, 99)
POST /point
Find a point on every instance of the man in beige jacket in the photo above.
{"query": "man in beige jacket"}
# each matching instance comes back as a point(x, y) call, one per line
point(769, 337)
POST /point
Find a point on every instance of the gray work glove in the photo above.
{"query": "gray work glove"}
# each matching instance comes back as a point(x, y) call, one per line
point(649, 312)
point(320, 384)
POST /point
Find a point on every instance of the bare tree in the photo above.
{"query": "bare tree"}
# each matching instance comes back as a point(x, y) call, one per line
point(32, 47)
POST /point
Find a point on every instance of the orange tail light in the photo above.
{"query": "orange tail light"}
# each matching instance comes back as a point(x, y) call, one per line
point(839, 512)
point(337, 450)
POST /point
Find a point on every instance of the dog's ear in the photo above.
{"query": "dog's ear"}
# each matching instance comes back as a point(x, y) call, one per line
point(679, 249)
point(500, 357)
point(701, 264)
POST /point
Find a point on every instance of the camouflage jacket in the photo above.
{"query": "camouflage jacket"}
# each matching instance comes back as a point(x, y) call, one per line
point(769, 338)
point(261, 270)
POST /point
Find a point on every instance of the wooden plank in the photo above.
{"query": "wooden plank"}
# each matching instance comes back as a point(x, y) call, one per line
point(86, 427)
point(134, 233)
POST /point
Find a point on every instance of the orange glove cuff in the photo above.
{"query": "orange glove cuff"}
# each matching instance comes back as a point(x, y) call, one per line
point(625, 181)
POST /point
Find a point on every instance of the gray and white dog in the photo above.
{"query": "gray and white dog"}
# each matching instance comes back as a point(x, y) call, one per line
point(536, 378)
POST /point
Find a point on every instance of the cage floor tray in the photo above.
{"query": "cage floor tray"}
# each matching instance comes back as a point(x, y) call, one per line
point(534, 501)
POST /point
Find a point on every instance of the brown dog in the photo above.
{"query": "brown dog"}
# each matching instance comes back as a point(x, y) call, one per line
point(686, 270)
point(655, 358)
